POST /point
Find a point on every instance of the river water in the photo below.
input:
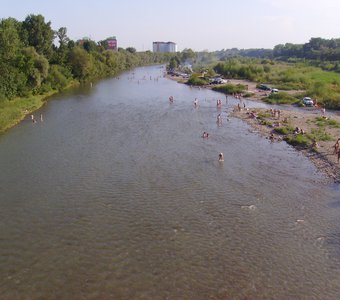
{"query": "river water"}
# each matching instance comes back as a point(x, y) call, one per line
point(115, 195)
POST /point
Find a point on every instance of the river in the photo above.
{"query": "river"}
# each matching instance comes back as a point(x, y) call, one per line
point(116, 195)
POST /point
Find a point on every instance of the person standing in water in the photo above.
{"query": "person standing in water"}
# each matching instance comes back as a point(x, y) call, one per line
point(220, 157)
point(219, 119)
point(195, 102)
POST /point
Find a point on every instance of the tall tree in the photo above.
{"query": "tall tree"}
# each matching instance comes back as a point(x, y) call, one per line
point(10, 42)
point(39, 34)
point(80, 63)
point(61, 33)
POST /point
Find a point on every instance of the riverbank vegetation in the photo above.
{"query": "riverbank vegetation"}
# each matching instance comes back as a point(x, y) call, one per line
point(311, 69)
point(37, 61)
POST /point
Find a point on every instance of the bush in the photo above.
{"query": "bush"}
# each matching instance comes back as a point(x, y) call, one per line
point(298, 140)
point(248, 95)
point(230, 88)
point(195, 80)
point(281, 98)
point(284, 130)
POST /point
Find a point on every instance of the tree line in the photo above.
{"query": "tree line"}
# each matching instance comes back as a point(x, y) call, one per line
point(36, 59)
point(317, 51)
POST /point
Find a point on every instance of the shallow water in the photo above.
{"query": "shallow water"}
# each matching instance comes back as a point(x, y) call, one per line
point(116, 196)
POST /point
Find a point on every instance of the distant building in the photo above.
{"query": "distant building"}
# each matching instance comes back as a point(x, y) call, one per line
point(164, 47)
point(112, 43)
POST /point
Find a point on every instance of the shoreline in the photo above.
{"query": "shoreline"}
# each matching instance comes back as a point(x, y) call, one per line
point(19, 108)
point(321, 156)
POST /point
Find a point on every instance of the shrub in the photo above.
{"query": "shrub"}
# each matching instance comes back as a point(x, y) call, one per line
point(230, 88)
point(299, 140)
point(281, 98)
point(248, 95)
point(284, 130)
point(195, 80)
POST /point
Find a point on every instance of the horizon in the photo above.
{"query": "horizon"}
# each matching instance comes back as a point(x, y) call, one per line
point(258, 24)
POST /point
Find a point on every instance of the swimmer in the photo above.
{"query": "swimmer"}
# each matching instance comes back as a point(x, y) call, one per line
point(205, 135)
point(220, 157)
point(171, 99)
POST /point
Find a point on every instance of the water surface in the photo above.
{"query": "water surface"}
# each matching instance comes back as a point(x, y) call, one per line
point(116, 196)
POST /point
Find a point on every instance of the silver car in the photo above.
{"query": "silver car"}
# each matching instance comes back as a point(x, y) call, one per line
point(307, 101)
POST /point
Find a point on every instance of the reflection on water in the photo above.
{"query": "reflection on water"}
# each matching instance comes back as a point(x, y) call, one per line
point(116, 196)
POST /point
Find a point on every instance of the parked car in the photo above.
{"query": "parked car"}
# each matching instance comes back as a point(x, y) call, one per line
point(275, 91)
point(217, 80)
point(307, 101)
point(264, 87)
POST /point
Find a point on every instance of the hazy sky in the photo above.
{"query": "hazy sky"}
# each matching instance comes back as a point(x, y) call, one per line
point(196, 24)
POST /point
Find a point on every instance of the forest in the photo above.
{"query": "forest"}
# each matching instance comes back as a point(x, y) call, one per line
point(35, 59)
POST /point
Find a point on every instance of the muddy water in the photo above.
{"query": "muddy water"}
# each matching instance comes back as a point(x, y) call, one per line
point(116, 196)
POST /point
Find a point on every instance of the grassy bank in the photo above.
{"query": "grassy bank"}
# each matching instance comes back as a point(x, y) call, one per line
point(311, 81)
point(13, 111)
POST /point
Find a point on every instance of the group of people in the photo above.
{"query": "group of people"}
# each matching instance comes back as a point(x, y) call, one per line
point(298, 130)
point(34, 120)
point(276, 113)
point(205, 134)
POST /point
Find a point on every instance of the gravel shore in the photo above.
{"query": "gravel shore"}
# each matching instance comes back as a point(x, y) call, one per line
point(321, 155)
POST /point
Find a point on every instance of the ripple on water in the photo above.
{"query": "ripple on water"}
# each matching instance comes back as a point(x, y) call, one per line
point(118, 196)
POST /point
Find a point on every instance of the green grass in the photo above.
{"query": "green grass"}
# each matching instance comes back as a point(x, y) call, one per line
point(197, 81)
point(281, 98)
point(319, 134)
point(299, 140)
point(15, 110)
point(327, 77)
point(322, 122)
point(284, 130)
point(230, 88)
point(263, 115)
point(248, 95)
point(313, 81)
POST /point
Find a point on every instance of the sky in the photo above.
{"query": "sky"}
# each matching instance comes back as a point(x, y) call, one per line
point(196, 24)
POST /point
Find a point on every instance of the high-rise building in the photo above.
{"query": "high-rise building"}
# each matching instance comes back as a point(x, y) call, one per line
point(164, 47)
